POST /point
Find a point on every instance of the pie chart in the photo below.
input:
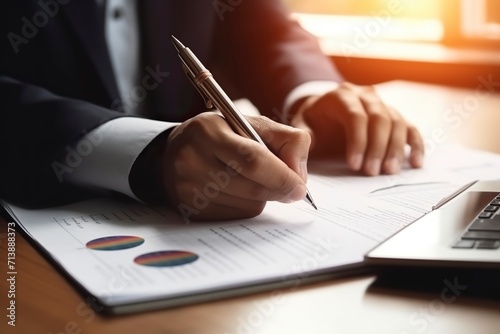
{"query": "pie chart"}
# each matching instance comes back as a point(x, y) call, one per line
point(117, 242)
point(168, 258)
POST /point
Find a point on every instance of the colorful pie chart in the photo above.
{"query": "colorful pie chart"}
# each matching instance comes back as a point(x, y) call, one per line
point(168, 258)
point(117, 242)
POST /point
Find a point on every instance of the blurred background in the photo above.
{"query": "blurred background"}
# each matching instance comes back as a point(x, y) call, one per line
point(448, 42)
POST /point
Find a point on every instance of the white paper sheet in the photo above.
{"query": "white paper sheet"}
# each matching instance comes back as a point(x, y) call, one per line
point(355, 214)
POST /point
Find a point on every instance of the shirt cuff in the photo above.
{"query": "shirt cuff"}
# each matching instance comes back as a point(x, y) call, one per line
point(305, 90)
point(109, 151)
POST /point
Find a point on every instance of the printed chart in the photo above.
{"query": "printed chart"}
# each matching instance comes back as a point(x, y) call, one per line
point(112, 243)
point(168, 258)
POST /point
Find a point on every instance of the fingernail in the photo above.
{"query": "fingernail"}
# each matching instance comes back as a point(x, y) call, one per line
point(356, 161)
point(392, 166)
point(297, 194)
point(417, 159)
point(303, 170)
point(373, 167)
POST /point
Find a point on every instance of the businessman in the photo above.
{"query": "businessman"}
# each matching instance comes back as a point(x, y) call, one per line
point(93, 99)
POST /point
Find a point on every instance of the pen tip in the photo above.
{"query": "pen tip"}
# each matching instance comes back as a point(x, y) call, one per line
point(178, 45)
point(310, 200)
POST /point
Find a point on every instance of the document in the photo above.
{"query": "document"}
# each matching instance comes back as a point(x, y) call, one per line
point(130, 257)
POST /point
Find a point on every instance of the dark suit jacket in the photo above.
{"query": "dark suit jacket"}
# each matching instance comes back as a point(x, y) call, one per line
point(57, 83)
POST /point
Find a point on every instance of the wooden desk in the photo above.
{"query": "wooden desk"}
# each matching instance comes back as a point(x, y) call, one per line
point(47, 303)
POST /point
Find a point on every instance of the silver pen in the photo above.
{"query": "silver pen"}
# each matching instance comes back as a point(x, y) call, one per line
point(213, 94)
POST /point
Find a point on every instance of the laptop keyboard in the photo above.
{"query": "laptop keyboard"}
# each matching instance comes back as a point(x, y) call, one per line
point(484, 232)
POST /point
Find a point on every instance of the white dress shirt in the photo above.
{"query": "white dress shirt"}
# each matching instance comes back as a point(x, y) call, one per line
point(121, 140)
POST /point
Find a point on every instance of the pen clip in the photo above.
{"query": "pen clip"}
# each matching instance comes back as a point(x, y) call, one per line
point(206, 99)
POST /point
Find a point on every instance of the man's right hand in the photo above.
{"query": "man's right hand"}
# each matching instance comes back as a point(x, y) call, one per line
point(211, 173)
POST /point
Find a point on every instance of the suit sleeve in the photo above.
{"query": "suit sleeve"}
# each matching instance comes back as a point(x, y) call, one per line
point(37, 131)
point(270, 53)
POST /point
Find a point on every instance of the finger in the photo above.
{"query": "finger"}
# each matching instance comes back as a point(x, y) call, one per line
point(395, 150)
point(256, 163)
point(379, 130)
point(299, 122)
point(289, 144)
point(417, 149)
point(198, 197)
point(241, 187)
point(345, 106)
point(224, 179)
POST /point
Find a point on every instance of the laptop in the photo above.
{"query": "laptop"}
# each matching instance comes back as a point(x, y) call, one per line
point(462, 231)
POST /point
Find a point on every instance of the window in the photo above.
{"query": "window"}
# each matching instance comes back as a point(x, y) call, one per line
point(480, 20)
point(404, 20)
point(459, 22)
point(420, 9)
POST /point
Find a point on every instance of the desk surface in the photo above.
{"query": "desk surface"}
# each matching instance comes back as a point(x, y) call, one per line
point(47, 303)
